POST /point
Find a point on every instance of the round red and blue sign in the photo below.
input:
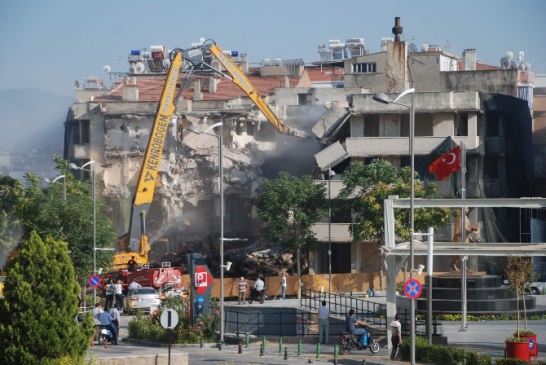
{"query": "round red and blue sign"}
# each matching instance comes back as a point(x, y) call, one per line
point(413, 288)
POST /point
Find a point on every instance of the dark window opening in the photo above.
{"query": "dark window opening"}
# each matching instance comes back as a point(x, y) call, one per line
point(85, 131)
point(461, 124)
point(371, 125)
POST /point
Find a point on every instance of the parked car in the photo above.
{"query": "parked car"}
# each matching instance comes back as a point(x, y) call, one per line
point(141, 299)
point(539, 286)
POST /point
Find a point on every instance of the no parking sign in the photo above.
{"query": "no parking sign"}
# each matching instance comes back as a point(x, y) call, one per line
point(413, 288)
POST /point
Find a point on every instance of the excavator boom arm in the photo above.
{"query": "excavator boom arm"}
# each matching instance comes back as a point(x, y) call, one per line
point(240, 79)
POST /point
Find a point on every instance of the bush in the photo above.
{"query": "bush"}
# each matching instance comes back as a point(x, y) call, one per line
point(437, 354)
point(473, 358)
point(510, 361)
point(149, 328)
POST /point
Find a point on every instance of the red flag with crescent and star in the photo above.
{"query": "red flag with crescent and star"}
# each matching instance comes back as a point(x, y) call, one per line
point(446, 164)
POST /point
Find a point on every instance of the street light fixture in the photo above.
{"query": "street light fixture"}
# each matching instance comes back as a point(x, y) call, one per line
point(221, 187)
point(55, 180)
point(76, 167)
point(384, 99)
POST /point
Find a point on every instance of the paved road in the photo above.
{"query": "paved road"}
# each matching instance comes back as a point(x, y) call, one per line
point(484, 337)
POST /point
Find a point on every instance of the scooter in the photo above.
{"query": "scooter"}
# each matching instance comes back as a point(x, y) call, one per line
point(104, 335)
point(349, 342)
point(256, 295)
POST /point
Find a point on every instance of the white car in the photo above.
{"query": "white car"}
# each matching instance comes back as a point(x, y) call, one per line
point(141, 299)
point(539, 286)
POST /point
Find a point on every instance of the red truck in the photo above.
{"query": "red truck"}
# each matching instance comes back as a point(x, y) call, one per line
point(167, 280)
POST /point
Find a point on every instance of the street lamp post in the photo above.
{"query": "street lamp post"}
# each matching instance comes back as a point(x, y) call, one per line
point(76, 167)
point(383, 98)
point(330, 175)
point(221, 187)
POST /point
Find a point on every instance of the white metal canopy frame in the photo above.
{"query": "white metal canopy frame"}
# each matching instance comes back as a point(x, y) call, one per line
point(391, 250)
point(456, 248)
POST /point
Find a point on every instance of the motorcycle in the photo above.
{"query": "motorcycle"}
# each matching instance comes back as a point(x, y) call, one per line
point(104, 335)
point(256, 295)
point(349, 342)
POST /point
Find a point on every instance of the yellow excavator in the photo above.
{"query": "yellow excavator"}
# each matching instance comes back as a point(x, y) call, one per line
point(195, 58)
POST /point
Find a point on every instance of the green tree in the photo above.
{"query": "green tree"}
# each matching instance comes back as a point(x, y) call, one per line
point(367, 186)
point(289, 206)
point(40, 306)
point(519, 271)
point(44, 210)
point(10, 225)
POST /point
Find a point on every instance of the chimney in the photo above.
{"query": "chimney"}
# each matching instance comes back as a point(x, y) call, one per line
point(213, 85)
point(197, 94)
point(244, 63)
point(397, 29)
point(130, 91)
point(397, 75)
point(469, 60)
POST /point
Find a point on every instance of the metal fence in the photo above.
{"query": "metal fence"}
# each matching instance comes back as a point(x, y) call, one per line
point(340, 304)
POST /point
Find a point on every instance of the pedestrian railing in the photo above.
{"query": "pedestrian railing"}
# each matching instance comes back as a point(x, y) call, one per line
point(340, 304)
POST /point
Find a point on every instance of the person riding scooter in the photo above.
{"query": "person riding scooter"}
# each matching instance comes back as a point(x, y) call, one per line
point(350, 325)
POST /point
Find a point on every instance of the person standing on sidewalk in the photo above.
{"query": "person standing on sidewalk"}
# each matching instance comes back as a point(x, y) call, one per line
point(242, 285)
point(283, 286)
point(396, 337)
point(324, 323)
point(118, 291)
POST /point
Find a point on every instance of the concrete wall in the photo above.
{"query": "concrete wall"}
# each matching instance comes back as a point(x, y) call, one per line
point(496, 81)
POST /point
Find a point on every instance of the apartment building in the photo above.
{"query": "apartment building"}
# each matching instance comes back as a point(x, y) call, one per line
point(456, 100)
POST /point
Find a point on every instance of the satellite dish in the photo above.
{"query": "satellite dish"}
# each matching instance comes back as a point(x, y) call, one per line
point(513, 65)
point(509, 55)
point(139, 68)
point(107, 68)
point(504, 62)
point(166, 63)
point(424, 47)
point(412, 47)
point(521, 54)
point(202, 40)
point(77, 84)
point(528, 66)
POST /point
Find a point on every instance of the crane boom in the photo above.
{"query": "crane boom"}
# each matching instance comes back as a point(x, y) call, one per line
point(240, 79)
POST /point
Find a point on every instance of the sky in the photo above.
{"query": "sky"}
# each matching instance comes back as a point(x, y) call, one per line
point(49, 45)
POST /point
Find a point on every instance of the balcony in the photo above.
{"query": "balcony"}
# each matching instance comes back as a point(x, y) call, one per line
point(399, 146)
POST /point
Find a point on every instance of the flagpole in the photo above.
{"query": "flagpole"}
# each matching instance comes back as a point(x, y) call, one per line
point(464, 324)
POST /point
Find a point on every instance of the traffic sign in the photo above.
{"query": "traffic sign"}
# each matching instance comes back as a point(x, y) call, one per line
point(413, 288)
point(94, 281)
point(169, 319)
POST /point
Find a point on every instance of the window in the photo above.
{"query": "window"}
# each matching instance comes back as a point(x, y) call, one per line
point(359, 68)
point(305, 99)
point(371, 125)
point(85, 131)
point(461, 124)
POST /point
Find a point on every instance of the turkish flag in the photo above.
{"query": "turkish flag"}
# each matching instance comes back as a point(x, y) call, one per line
point(446, 164)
